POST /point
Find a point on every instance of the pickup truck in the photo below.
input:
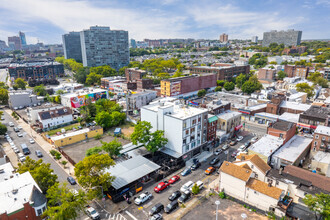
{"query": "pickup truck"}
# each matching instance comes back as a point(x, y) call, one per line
point(161, 186)
point(142, 198)
point(92, 213)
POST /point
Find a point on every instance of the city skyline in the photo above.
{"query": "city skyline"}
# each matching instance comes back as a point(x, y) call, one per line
point(47, 21)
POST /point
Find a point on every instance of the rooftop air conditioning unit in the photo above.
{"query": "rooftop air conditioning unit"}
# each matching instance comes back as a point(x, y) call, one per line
point(65, 110)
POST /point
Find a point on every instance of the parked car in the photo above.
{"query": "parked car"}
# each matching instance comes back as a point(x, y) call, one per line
point(184, 197)
point(247, 144)
point(156, 209)
point(142, 198)
point(174, 179)
point(16, 150)
point(233, 142)
point(170, 207)
point(195, 166)
point(71, 180)
point(199, 184)
point(19, 134)
point(214, 161)
point(16, 129)
point(234, 154)
point(19, 127)
point(174, 195)
point(255, 139)
point(225, 147)
point(217, 152)
point(31, 141)
point(161, 186)
point(157, 216)
point(241, 148)
point(186, 172)
point(38, 153)
point(21, 157)
point(92, 213)
point(239, 138)
point(186, 186)
point(11, 124)
point(2, 118)
point(209, 170)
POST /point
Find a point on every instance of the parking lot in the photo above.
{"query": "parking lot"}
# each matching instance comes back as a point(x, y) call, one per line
point(141, 212)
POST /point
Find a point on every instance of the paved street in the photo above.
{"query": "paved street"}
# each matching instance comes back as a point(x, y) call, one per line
point(141, 212)
point(3, 75)
point(62, 175)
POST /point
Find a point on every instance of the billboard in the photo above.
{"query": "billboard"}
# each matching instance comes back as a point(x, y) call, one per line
point(79, 101)
point(175, 88)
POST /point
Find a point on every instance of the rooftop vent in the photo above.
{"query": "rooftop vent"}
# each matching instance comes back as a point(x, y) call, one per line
point(2, 170)
point(14, 191)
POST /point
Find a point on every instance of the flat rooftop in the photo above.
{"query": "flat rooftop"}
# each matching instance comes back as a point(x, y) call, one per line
point(322, 130)
point(282, 125)
point(34, 64)
point(292, 149)
point(286, 116)
point(74, 133)
point(266, 145)
point(256, 107)
point(295, 106)
point(267, 115)
point(322, 157)
point(228, 114)
point(6, 171)
point(82, 92)
point(318, 111)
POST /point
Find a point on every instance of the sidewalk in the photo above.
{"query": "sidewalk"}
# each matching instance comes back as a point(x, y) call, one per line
point(10, 153)
point(43, 143)
point(201, 157)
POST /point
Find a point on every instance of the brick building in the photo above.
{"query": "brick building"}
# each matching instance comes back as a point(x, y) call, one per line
point(187, 84)
point(212, 127)
point(223, 37)
point(278, 106)
point(296, 71)
point(267, 74)
point(321, 140)
point(223, 71)
point(274, 106)
point(144, 84)
point(133, 74)
point(42, 70)
point(314, 116)
point(282, 129)
point(294, 49)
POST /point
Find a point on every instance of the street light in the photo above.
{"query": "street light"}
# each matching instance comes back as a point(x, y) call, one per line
point(217, 203)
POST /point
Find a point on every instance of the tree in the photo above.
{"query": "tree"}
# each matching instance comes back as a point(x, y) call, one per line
point(60, 92)
point(156, 141)
point(218, 89)
point(251, 85)
point(20, 83)
point(281, 75)
point(201, 93)
point(93, 79)
point(57, 99)
point(104, 119)
point(320, 203)
point(40, 90)
point(229, 86)
point(314, 76)
point(93, 150)
point(240, 80)
point(3, 129)
point(195, 189)
point(117, 118)
point(220, 82)
point(113, 148)
point(141, 133)
point(304, 87)
point(81, 75)
point(4, 96)
point(90, 172)
point(41, 172)
point(273, 62)
point(322, 82)
point(63, 203)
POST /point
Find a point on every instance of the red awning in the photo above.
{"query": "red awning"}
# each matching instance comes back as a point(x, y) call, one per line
point(238, 127)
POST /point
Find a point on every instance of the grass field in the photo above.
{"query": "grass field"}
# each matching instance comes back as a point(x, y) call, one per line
point(67, 128)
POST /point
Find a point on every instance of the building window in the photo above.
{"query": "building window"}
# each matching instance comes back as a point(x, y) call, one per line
point(44, 208)
point(256, 175)
point(323, 138)
point(39, 212)
point(314, 149)
point(315, 143)
point(281, 135)
point(316, 137)
point(184, 124)
point(187, 132)
point(187, 148)
point(252, 166)
point(194, 122)
point(199, 119)
point(184, 141)
point(192, 130)
point(277, 182)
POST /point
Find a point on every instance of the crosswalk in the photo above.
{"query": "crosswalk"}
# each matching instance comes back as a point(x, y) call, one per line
point(117, 216)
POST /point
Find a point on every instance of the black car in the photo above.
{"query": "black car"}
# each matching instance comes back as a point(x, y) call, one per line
point(174, 195)
point(247, 144)
point(195, 166)
point(184, 197)
point(170, 207)
point(71, 180)
point(214, 161)
point(156, 209)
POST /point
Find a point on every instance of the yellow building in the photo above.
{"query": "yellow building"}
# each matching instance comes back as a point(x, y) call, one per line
point(77, 136)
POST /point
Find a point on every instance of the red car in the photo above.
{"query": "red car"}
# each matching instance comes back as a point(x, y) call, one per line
point(174, 179)
point(161, 186)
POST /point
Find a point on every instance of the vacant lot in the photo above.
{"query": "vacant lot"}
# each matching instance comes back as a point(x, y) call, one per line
point(77, 151)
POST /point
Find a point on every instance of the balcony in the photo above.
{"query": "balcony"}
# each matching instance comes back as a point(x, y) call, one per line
point(285, 202)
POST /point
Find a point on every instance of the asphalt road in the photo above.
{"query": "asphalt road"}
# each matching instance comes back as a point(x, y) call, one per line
point(62, 175)
point(3, 75)
point(141, 212)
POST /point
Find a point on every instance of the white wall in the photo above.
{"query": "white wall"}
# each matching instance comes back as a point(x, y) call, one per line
point(56, 121)
point(149, 116)
point(259, 200)
point(232, 186)
point(173, 132)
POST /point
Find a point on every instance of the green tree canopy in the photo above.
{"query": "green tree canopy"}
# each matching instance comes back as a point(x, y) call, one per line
point(113, 148)
point(281, 75)
point(93, 78)
point(320, 203)
point(20, 83)
point(240, 80)
point(141, 134)
point(91, 173)
point(81, 75)
point(156, 141)
point(304, 87)
point(63, 203)
point(229, 86)
point(218, 89)
point(104, 119)
point(40, 90)
point(220, 83)
point(41, 172)
point(251, 85)
point(4, 96)
point(3, 129)
point(201, 93)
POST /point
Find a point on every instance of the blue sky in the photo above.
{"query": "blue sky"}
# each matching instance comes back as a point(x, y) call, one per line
point(47, 20)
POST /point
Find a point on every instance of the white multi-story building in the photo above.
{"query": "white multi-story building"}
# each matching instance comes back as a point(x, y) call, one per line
point(184, 127)
point(54, 118)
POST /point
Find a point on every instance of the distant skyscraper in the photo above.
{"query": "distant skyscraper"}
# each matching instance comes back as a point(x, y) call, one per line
point(72, 46)
point(22, 37)
point(254, 39)
point(133, 43)
point(288, 38)
point(224, 37)
point(3, 45)
point(14, 43)
point(102, 46)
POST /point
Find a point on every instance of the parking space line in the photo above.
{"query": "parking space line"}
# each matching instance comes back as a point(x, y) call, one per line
point(130, 215)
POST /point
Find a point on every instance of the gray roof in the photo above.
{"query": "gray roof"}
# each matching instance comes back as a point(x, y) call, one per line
point(131, 170)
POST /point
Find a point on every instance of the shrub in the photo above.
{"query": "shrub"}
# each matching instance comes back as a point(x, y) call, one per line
point(195, 189)
point(98, 137)
point(58, 156)
point(64, 162)
point(222, 195)
point(211, 194)
point(53, 152)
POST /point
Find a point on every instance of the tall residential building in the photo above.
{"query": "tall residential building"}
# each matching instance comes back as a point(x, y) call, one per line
point(288, 38)
point(102, 46)
point(22, 37)
point(72, 46)
point(14, 43)
point(254, 39)
point(3, 45)
point(224, 37)
point(133, 43)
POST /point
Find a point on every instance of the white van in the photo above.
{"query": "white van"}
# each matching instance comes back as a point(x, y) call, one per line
point(186, 186)
point(200, 185)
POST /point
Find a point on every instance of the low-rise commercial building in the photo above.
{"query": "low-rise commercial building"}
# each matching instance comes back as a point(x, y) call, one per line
point(229, 122)
point(23, 98)
point(313, 117)
point(321, 140)
point(68, 87)
point(300, 97)
point(321, 163)
point(212, 128)
point(137, 100)
point(80, 97)
point(282, 129)
point(40, 70)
